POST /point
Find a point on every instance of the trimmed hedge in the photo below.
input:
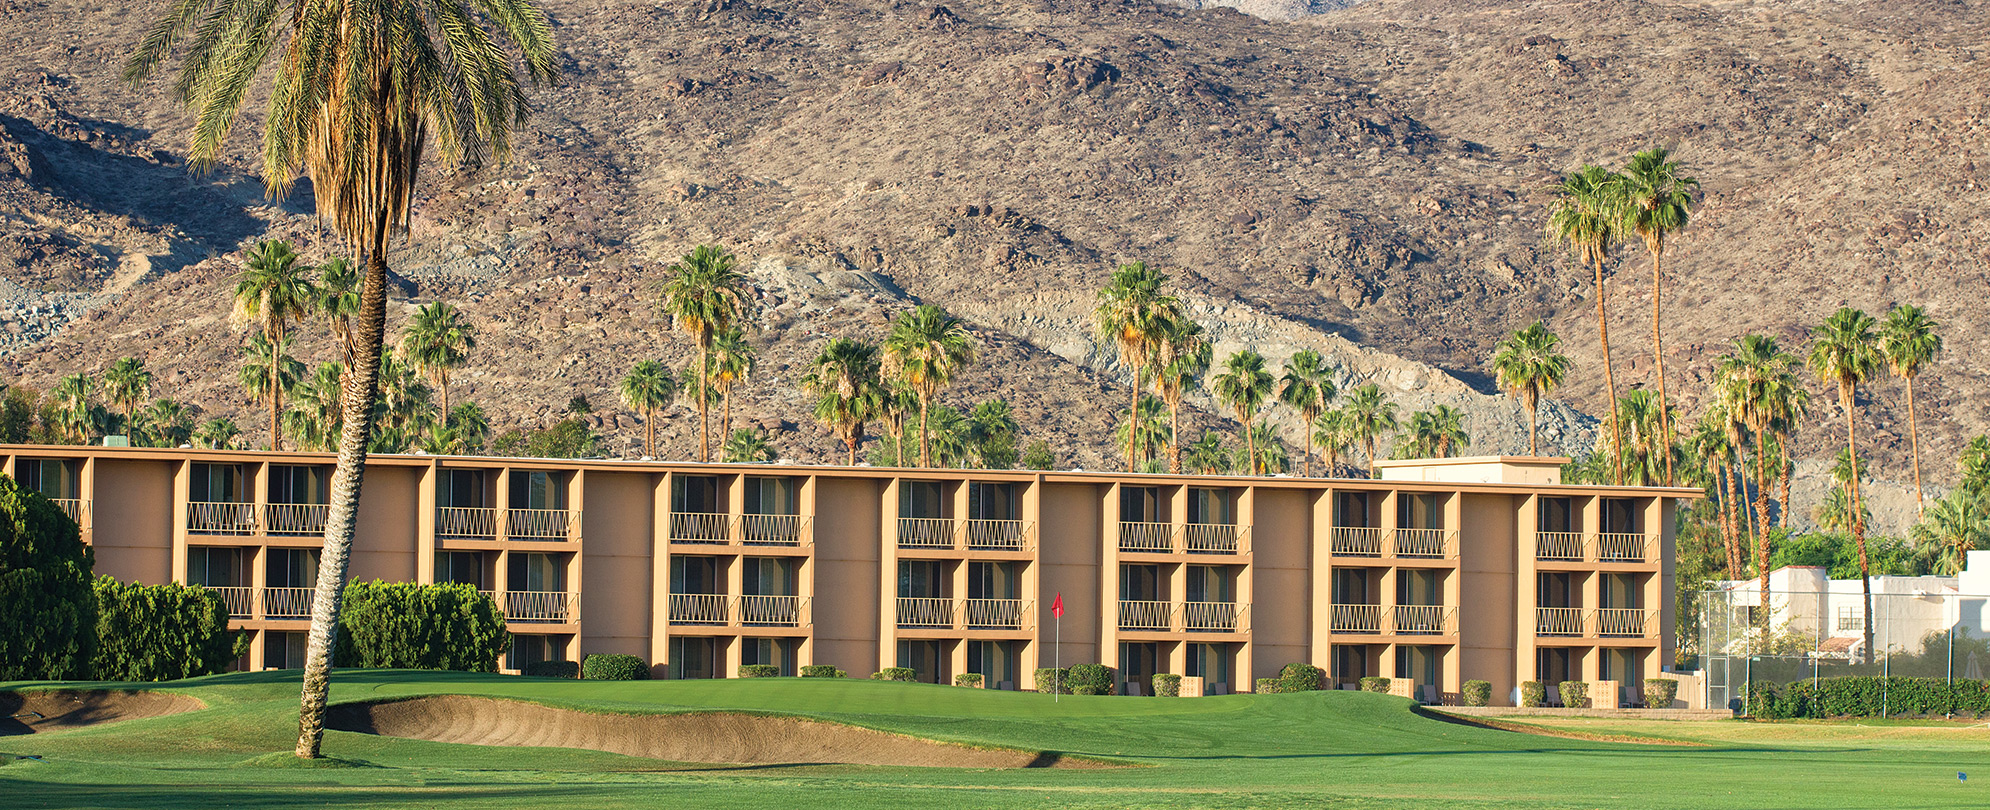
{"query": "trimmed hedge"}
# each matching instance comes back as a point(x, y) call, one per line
point(968, 679)
point(1867, 696)
point(159, 632)
point(759, 671)
point(1167, 685)
point(1660, 692)
point(1270, 686)
point(1374, 684)
point(607, 667)
point(1477, 693)
point(1300, 677)
point(1093, 679)
point(1053, 681)
point(1575, 694)
point(406, 625)
point(47, 607)
point(553, 669)
point(1533, 694)
point(823, 671)
point(906, 674)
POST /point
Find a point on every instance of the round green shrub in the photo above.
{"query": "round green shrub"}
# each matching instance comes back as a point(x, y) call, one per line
point(1300, 677)
point(1097, 678)
point(969, 679)
point(759, 671)
point(160, 632)
point(1053, 681)
point(553, 669)
point(1660, 692)
point(408, 625)
point(1533, 694)
point(614, 667)
point(1270, 686)
point(47, 604)
point(1477, 693)
point(1575, 694)
point(905, 674)
point(1167, 685)
point(1375, 684)
point(823, 671)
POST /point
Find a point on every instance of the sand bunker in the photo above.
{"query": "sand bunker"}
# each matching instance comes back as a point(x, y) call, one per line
point(703, 737)
point(45, 710)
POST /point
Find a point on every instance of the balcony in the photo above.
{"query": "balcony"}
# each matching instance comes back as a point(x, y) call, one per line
point(1424, 620)
point(1362, 619)
point(241, 602)
point(1212, 617)
point(1357, 541)
point(221, 517)
point(1608, 547)
point(288, 603)
point(700, 608)
point(1625, 548)
point(1177, 617)
point(774, 530)
point(76, 508)
point(295, 519)
point(926, 612)
point(1146, 537)
point(466, 523)
point(540, 606)
point(771, 611)
point(1559, 621)
point(996, 535)
point(1559, 546)
point(1210, 538)
point(1425, 544)
point(541, 524)
point(993, 614)
point(1145, 615)
point(1626, 623)
point(700, 527)
point(925, 532)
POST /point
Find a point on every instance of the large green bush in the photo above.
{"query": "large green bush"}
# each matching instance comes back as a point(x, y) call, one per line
point(1477, 693)
point(1660, 692)
point(1533, 694)
point(1270, 686)
point(159, 632)
point(1868, 696)
point(759, 671)
point(968, 679)
point(1093, 679)
point(615, 667)
point(1299, 677)
point(48, 610)
point(1167, 685)
point(1375, 684)
point(416, 626)
point(1053, 681)
point(822, 671)
point(1575, 694)
point(906, 674)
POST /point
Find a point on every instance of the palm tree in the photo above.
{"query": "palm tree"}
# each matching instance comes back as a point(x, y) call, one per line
point(895, 403)
point(1956, 526)
point(648, 388)
point(1182, 359)
point(1844, 351)
point(127, 383)
point(216, 434)
point(1639, 411)
point(1757, 386)
point(1208, 456)
point(747, 447)
point(1908, 341)
point(1530, 364)
point(1243, 385)
point(274, 291)
point(437, 340)
point(1709, 443)
point(1368, 413)
point(925, 349)
point(406, 407)
point(1973, 466)
point(992, 429)
point(1332, 436)
point(471, 427)
point(73, 402)
point(1135, 315)
point(1581, 218)
point(1268, 448)
point(316, 414)
point(844, 381)
point(704, 294)
point(1147, 427)
point(337, 301)
point(167, 423)
point(1448, 429)
point(1307, 388)
point(1654, 201)
point(732, 362)
point(268, 373)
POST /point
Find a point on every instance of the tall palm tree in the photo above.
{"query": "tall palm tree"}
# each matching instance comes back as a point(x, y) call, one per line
point(925, 349)
point(1268, 449)
point(1369, 413)
point(1243, 385)
point(896, 402)
point(1530, 364)
point(1150, 422)
point(273, 292)
point(844, 381)
point(1182, 359)
point(649, 387)
point(1582, 219)
point(1654, 201)
point(126, 384)
point(1956, 526)
point(359, 92)
point(1757, 385)
point(1448, 430)
point(1207, 455)
point(216, 434)
point(73, 397)
point(268, 374)
point(991, 430)
point(336, 300)
point(406, 406)
point(733, 361)
point(1419, 437)
point(1134, 314)
point(1844, 351)
point(470, 426)
point(1973, 466)
point(1908, 341)
point(1332, 436)
point(1709, 443)
point(1643, 451)
point(1306, 385)
point(704, 294)
point(168, 423)
point(747, 447)
point(317, 411)
point(436, 341)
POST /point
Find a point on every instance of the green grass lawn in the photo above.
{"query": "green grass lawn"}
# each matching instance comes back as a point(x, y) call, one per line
point(1323, 749)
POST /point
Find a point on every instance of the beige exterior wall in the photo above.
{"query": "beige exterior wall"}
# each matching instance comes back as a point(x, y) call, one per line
point(1443, 577)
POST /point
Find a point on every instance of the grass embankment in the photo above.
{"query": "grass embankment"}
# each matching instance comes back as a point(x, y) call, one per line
point(1338, 749)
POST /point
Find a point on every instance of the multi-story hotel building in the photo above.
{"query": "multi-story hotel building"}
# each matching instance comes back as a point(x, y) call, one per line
point(1440, 571)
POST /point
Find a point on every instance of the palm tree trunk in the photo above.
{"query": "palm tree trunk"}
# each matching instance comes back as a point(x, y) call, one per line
point(1730, 521)
point(1534, 420)
point(725, 420)
point(1609, 378)
point(275, 398)
point(925, 438)
point(342, 516)
point(851, 439)
point(1783, 505)
point(1250, 445)
point(1175, 436)
point(1133, 426)
point(1370, 439)
point(1849, 394)
point(1914, 437)
point(442, 385)
point(1658, 358)
point(1761, 508)
point(704, 406)
point(649, 432)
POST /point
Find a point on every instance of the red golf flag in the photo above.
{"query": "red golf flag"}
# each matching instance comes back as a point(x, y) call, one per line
point(1057, 607)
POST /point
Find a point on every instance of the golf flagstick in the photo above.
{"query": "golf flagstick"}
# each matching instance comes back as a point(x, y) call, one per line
point(1057, 650)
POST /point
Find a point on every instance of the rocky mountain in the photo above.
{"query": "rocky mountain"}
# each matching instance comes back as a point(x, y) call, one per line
point(1369, 181)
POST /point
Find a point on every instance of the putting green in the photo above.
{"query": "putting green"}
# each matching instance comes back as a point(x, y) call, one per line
point(1323, 749)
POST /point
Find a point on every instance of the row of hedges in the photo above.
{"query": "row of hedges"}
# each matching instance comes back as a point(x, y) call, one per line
point(161, 632)
point(407, 625)
point(1867, 696)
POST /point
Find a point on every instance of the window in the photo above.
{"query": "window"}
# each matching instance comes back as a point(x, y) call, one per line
point(533, 571)
point(1420, 510)
point(1351, 509)
point(1351, 587)
point(216, 567)
point(289, 483)
point(927, 659)
point(292, 568)
point(216, 483)
point(1620, 591)
point(769, 576)
point(1142, 583)
point(992, 580)
point(466, 567)
point(282, 650)
point(1621, 516)
point(1211, 663)
point(696, 494)
point(995, 661)
point(1138, 661)
point(921, 499)
point(1558, 515)
point(464, 489)
point(988, 500)
point(52, 477)
point(693, 574)
point(922, 579)
point(1418, 663)
point(1211, 506)
point(1210, 583)
point(779, 652)
point(1141, 505)
point(770, 496)
point(528, 649)
point(1556, 590)
point(538, 489)
point(1419, 586)
point(693, 657)
point(1849, 618)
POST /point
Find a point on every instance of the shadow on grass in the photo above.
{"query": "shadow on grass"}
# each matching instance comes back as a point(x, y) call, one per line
point(31, 794)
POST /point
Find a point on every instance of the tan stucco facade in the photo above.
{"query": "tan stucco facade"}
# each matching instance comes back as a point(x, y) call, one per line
point(1438, 572)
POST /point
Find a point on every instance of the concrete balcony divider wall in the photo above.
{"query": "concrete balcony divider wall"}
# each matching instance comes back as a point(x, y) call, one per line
point(793, 565)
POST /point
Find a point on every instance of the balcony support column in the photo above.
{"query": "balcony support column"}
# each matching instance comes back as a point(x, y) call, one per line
point(887, 652)
point(1109, 595)
point(660, 575)
point(1527, 598)
point(426, 547)
point(182, 489)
